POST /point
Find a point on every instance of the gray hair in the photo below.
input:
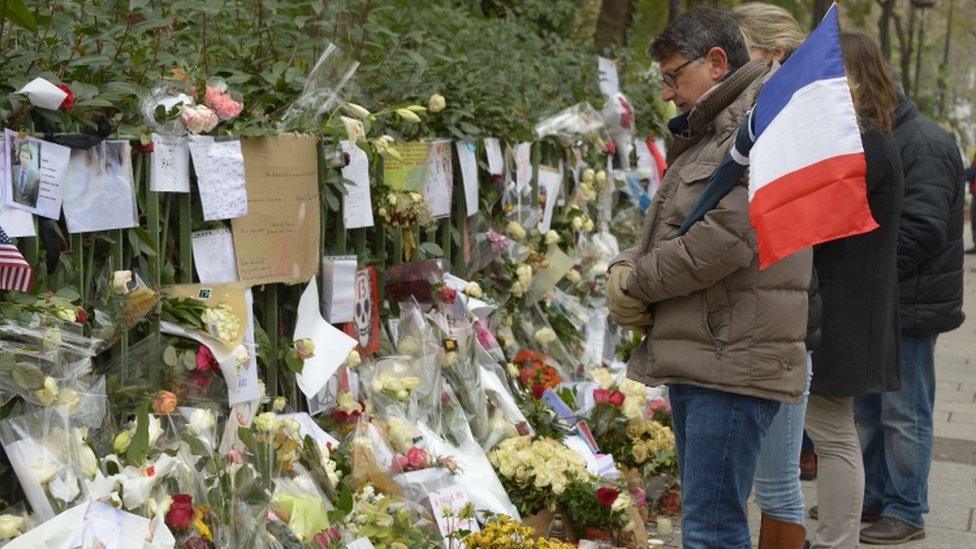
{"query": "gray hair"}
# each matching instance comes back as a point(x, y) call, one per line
point(695, 32)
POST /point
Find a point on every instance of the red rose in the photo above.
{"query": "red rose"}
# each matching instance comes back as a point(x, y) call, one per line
point(611, 148)
point(417, 458)
point(81, 316)
point(601, 396)
point(144, 149)
point(605, 496)
point(447, 295)
point(180, 513)
point(68, 101)
point(670, 502)
point(201, 381)
point(617, 398)
point(537, 390)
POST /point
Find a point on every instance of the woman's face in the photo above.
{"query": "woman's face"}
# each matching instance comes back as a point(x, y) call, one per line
point(776, 54)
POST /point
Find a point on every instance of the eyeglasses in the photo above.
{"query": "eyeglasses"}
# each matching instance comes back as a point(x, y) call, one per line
point(670, 79)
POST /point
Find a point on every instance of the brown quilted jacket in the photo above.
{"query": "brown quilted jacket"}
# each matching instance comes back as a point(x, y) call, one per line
point(718, 321)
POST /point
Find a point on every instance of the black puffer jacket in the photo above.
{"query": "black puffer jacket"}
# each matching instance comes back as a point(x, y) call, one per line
point(930, 246)
point(814, 310)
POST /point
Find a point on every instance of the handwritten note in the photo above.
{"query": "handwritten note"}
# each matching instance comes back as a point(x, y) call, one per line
point(220, 178)
point(213, 256)
point(493, 150)
point(550, 180)
point(34, 174)
point(357, 205)
point(523, 166)
point(440, 179)
point(170, 164)
point(469, 174)
point(446, 504)
point(410, 172)
point(278, 239)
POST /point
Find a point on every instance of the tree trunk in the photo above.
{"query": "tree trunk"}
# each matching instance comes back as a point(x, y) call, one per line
point(819, 11)
point(674, 8)
point(944, 67)
point(884, 26)
point(613, 24)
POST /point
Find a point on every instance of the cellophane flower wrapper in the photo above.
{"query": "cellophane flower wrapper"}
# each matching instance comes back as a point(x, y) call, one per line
point(25, 369)
point(46, 333)
point(618, 117)
point(460, 369)
point(199, 423)
point(487, 245)
point(573, 125)
point(323, 89)
point(43, 449)
point(168, 94)
point(527, 330)
point(385, 519)
point(370, 456)
point(14, 520)
point(415, 281)
point(135, 373)
point(120, 305)
point(302, 505)
point(474, 472)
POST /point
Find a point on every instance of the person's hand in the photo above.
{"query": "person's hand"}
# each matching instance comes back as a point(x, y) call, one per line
point(626, 311)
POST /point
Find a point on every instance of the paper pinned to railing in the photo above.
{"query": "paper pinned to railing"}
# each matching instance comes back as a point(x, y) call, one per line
point(339, 288)
point(493, 151)
point(331, 346)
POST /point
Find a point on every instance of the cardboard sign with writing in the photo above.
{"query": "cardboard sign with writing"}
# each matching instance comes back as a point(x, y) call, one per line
point(365, 327)
point(278, 239)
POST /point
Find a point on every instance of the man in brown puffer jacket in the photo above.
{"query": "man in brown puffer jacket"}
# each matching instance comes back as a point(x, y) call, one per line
point(727, 338)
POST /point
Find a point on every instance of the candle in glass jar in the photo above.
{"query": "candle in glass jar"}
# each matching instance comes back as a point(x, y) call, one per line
point(664, 526)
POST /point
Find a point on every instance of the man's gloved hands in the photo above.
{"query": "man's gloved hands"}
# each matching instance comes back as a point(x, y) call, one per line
point(626, 311)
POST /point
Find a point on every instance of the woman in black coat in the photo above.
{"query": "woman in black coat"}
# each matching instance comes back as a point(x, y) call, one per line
point(858, 349)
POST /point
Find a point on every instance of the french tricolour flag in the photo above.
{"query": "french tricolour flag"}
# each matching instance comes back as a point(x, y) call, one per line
point(807, 169)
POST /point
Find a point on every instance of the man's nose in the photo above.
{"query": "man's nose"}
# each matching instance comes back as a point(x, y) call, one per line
point(667, 94)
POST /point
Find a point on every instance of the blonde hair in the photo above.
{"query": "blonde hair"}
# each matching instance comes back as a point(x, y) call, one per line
point(766, 26)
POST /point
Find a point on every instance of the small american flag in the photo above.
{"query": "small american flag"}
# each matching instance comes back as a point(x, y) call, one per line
point(15, 272)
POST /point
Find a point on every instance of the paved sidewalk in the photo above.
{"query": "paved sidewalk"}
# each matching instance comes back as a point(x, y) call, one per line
point(951, 523)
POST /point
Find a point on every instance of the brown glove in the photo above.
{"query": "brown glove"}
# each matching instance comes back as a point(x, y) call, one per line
point(626, 311)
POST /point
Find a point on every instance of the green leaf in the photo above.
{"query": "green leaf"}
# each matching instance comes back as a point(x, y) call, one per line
point(139, 447)
point(432, 249)
point(67, 293)
point(18, 14)
point(169, 356)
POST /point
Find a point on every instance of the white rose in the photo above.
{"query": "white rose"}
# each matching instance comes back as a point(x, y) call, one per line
point(353, 359)
point(89, 463)
point(278, 404)
point(552, 237)
point(588, 175)
point(201, 422)
point(70, 399)
point(10, 526)
point(265, 422)
point(577, 223)
point(43, 470)
point(545, 336)
point(515, 230)
point(436, 103)
point(588, 226)
point(473, 290)
point(573, 276)
point(622, 502)
point(68, 314)
point(120, 281)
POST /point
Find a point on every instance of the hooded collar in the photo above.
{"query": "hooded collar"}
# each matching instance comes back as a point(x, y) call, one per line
point(905, 111)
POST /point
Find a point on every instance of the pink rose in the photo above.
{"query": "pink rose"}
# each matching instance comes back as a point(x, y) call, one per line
point(235, 456)
point(617, 398)
point(639, 496)
point(400, 462)
point(658, 405)
point(601, 396)
point(417, 458)
point(222, 103)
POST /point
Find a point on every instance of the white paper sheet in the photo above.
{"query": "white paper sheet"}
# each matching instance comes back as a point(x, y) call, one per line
point(550, 180)
point(478, 307)
point(357, 204)
point(44, 94)
point(440, 179)
point(15, 222)
point(170, 164)
point(469, 174)
point(339, 288)
point(493, 150)
point(97, 523)
point(34, 175)
point(453, 498)
point(523, 166)
point(98, 189)
point(241, 415)
point(213, 256)
point(220, 178)
point(609, 82)
point(332, 346)
point(644, 158)
point(361, 543)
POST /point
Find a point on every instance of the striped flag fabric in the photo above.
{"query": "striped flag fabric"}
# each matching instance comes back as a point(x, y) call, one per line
point(802, 145)
point(807, 168)
point(15, 272)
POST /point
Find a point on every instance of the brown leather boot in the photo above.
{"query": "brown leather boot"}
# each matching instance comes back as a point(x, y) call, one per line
point(778, 534)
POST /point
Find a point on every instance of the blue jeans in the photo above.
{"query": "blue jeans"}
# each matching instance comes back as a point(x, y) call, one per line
point(718, 437)
point(895, 429)
point(777, 485)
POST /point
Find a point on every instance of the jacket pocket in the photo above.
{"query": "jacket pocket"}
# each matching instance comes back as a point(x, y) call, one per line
point(690, 184)
point(717, 313)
